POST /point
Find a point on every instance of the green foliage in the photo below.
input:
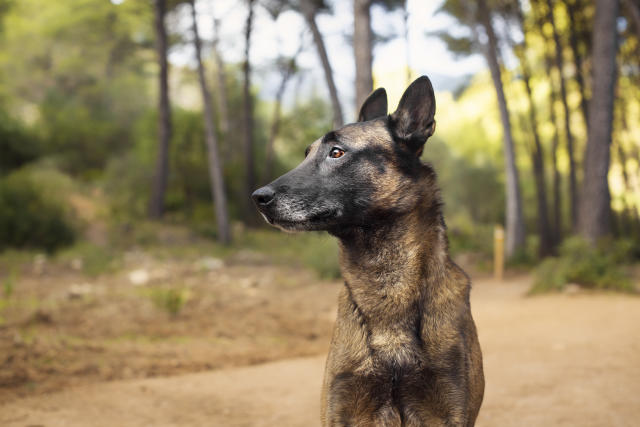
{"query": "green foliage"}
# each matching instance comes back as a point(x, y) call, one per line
point(300, 126)
point(459, 46)
point(76, 71)
point(17, 144)
point(317, 251)
point(471, 210)
point(591, 267)
point(9, 284)
point(31, 217)
point(94, 259)
point(171, 300)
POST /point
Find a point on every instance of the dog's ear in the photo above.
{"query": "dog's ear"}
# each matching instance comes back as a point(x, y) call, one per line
point(374, 106)
point(412, 123)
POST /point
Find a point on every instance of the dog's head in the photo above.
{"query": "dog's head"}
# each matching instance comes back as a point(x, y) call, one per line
point(360, 174)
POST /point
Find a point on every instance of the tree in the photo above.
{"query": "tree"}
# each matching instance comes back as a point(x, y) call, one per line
point(405, 34)
point(215, 168)
point(633, 6)
point(576, 24)
point(477, 16)
point(223, 107)
point(161, 175)
point(250, 177)
point(362, 49)
point(536, 152)
point(573, 182)
point(595, 211)
point(515, 239)
point(309, 9)
point(363, 42)
point(553, 118)
point(288, 68)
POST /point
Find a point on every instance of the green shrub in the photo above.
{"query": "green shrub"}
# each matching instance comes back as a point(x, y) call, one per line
point(32, 217)
point(598, 267)
point(171, 300)
point(17, 145)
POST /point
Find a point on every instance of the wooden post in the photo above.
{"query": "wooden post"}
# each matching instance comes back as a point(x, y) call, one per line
point(498, 252)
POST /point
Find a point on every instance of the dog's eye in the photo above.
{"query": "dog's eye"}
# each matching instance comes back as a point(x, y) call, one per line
point(336, 153)
point(306, 152)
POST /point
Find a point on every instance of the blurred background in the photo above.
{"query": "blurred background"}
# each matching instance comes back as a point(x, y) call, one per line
point(132, 133)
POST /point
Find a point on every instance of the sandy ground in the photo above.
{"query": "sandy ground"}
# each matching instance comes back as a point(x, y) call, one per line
point(556, 360)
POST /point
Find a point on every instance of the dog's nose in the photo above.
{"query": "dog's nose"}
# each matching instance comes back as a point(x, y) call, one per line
point(263, 196)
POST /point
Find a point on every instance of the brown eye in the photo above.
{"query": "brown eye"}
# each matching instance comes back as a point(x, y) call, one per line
point(336, 153)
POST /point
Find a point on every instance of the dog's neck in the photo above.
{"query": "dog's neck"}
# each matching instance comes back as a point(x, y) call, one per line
point(389, 267)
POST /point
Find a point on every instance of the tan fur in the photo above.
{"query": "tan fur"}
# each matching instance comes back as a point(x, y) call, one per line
point(386, 278)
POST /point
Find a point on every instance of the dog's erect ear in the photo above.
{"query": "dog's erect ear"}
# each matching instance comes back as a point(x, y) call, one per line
point(413, 122)
point(374, 106)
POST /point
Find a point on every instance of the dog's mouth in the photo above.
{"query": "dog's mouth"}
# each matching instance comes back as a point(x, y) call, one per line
point(315, 221)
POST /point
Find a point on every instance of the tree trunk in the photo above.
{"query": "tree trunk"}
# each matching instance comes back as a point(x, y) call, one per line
point(309, 12)
point(557, 204)
point(537, 153)
point(362, 49)
point(557, 184)
point(221, 77)
point(161, 175)
point(573, 9)
point(634, 10)
point(515, 238)
point(634, 212)
point(215, 168)
point(629, 208)
point(275, 121)
point(407, 46)
point(573, 184)
point(250, 180)
point(595, 209)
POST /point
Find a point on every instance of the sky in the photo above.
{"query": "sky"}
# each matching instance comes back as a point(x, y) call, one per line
point(428, 55)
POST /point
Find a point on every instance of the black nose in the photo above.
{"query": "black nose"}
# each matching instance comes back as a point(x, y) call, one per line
point(263, 196)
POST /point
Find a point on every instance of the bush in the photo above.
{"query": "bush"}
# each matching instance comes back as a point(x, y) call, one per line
point(578, 262)
point(31, 217)
point(171, 300)
point(17, 145)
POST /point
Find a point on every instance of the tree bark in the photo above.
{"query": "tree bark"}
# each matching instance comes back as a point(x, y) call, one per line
point(161, 175)
point(221, 77)
point(573, 183)
point(557, 204)
point(407, 47)
point(595, 209)
point(287, 72)
point(515, 238)
point(215, 169)
point(634, 10)
point(634, 212)
point(537, 152)
point(362, 49)
point(250, 180)
point(573, 9)
point(309, 12)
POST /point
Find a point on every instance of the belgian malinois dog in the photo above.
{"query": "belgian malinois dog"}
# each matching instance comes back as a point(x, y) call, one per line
point(404, 350)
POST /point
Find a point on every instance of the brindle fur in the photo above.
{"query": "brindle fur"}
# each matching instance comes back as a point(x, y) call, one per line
point(404, 350)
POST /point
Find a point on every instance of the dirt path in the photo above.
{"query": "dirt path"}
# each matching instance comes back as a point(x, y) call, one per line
point(559, 360)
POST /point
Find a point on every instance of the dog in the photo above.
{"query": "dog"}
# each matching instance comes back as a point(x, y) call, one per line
point(404, 350)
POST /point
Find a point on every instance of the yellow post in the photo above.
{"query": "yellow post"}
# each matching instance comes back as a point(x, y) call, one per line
point(498, 252)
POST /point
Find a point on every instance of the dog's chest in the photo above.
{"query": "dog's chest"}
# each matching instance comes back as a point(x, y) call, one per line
point(395, 346)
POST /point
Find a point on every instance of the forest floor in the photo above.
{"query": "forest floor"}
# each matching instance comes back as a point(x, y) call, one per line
point(245, 344)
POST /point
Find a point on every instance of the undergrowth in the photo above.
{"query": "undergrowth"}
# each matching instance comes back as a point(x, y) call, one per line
point(600, 267)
